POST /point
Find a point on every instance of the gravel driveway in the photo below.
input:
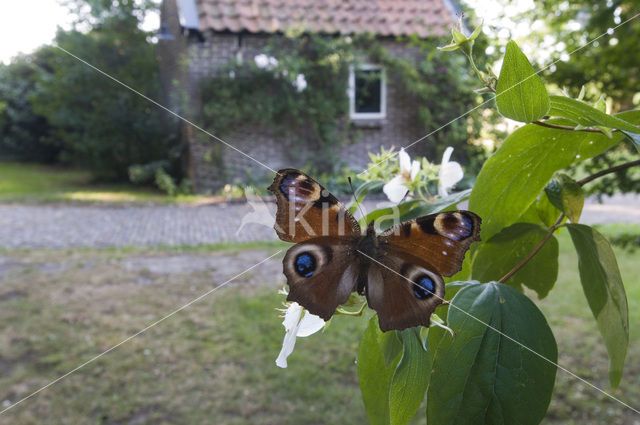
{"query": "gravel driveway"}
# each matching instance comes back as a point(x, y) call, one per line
point(65, 226)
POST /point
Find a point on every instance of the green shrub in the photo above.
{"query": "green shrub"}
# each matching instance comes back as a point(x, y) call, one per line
point(100, 124)
point(24, 134)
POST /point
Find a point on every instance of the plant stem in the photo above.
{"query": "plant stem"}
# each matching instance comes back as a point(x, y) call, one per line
point(535, 250)
point(608, 171)
point(561, 217)
point(356, 313)
point(487, 83)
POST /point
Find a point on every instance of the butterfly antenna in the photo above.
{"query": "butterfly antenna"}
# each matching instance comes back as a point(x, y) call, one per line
point(353, 192)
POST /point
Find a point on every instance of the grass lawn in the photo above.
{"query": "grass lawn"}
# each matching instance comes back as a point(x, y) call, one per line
point(40, 183)
point(214, 361)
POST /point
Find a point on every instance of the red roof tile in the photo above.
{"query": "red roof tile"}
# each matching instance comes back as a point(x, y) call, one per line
point(382, 17)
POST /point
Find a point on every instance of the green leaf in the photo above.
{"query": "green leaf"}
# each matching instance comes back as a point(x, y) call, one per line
point(547, 212)
point(378, 356)
point(500, 254)
point(363, 190)
point(476, 32)
point(511, 179)
point(482, 377)
point(449, 47)
point(586, 115)
point(634, 137)
point(583, 92)
point(465, 270)
point(605, 293)
point(541, 212)
point(436, 333)
point(520, 94)
point(387, 217)
point(437, 205)
point(566, 195)
point(458, 37)
point(601, 104)
point(410, 379)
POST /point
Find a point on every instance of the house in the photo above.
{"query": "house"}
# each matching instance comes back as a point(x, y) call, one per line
point(199, 36)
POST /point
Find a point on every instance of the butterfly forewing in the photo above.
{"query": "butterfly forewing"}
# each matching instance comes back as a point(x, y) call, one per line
point(307, 210)
point(441, 240)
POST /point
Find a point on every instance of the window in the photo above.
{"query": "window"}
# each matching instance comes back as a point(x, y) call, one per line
point(367, 92)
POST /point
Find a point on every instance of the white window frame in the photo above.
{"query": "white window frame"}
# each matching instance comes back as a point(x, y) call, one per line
point(352, 93)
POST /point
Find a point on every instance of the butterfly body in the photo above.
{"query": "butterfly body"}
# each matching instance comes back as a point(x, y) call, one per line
point(399, 270)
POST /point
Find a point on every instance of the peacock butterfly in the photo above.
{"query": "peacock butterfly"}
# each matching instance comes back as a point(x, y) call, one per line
point(398, 270)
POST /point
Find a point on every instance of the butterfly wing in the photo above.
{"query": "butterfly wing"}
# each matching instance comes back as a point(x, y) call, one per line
point(403, 290)
point(404, 284)
point(307, 210)
point(440, 240)
point(321, 274)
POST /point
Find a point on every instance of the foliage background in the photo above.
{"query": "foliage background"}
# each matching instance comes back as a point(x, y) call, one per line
point(60, 110)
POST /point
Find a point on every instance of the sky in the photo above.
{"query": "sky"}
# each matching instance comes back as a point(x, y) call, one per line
point(27, 24)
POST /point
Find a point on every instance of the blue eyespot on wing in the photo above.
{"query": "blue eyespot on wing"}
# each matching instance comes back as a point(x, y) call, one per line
point(305, 264)
point(424, 287)
point(321, 274)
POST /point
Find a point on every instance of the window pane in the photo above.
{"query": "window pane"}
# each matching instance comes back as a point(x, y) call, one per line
point(368, 91)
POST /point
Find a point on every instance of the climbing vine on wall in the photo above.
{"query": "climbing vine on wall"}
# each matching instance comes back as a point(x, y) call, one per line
point(297, 88)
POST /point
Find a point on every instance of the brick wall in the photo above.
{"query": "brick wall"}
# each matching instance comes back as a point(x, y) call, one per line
point(202, 58)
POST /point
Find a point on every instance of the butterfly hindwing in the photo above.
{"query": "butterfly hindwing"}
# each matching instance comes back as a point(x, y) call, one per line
point(321, 274)
point(403, 291)
point(441, 239)
point(307, 210)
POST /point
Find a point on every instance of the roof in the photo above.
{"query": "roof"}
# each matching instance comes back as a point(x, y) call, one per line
point(380, 17)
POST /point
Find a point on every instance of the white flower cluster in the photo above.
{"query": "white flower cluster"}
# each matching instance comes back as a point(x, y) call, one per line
point(300, 83)
point(450, 173)
point(266, 62)
point(270, 63)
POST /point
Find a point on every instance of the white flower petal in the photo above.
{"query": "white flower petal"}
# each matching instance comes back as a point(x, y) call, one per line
point(309, 325)
point(404, 161)
point(261, 60)
point(292, 316)
point(442, 191)
point(300, 83)
point(287, 348)
point(450, 174)
point(395, 189)
point(415, 169)
point(446, 155)
point(298, 323)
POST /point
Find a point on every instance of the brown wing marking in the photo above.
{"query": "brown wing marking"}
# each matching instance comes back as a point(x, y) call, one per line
point(307, 210)
point(441, 240)
point(404, 293)
point(321, 274)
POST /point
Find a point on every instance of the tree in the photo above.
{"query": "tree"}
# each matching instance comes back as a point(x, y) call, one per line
point(607, 65)
point(589, 43)
point(100, 124)
point(24, 134)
